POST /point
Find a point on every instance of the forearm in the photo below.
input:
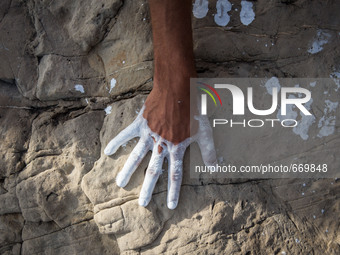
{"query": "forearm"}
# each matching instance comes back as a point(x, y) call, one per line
point(173, 45)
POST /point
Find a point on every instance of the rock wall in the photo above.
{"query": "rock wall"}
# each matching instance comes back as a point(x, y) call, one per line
point(75, 73)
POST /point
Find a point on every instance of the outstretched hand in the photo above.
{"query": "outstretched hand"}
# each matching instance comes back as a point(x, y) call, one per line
point(161, 148)
point(164, 123)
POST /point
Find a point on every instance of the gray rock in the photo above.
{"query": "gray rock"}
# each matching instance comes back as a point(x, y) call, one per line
point(57, 188)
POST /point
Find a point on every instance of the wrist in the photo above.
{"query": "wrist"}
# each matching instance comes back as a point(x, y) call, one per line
point(173, 80)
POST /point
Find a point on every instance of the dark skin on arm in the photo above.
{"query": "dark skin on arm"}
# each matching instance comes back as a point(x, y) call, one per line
point(167, 108)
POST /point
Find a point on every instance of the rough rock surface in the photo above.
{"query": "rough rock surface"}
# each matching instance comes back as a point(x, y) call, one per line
point(57, 188)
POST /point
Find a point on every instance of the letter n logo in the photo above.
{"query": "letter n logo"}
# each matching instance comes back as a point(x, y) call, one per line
point(206, 89)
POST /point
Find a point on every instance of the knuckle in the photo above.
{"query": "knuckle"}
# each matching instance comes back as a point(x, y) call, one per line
point(176, 175)
point(152, 172)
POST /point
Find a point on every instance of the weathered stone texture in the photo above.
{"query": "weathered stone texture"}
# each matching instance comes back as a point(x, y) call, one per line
point(57, 188)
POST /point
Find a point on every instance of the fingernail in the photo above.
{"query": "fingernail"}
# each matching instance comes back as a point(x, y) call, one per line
point(143, 202)
point(172, 205)
point(107, 151)
point(120, 182)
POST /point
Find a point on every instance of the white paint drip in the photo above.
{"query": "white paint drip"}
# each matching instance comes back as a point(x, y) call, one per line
point(327, 122)
point(112, 84)
point(222, 17)
point(336, 77)
point(272, 83)
point(318, 43)
point(79, 88)
point(312, 84)
point(290, 113)
point(200, 8)
point(304, 123)
point(108, 110)
point(247, 14)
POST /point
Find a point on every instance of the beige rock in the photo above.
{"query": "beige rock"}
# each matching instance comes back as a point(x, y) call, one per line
point(65, 77)
point(10, 230)
point(71, 28)
point(81, 238)
point(57, 189)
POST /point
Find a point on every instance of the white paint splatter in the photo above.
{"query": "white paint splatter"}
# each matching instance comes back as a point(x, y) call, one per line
point(200, 8)
point(79, 88)
point(112, 84)
point(304, 123)
point(336, 77)
point(318, 43)
point(327, 122)
point(221, 17)
point(247, 14)
point(312, 84)
point(108, 110)
point(272, 83)
point(290, 113)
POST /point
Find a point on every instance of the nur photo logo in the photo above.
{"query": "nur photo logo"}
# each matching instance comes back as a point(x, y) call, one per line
point(204, 97)
point(290, 97)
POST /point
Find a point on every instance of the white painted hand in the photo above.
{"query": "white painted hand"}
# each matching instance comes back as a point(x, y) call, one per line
point(161, 149)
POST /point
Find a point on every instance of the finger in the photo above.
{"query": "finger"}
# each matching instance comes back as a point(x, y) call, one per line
point(124, 136)
point(133, 161)
point(174, 178)
point(152, 173)
point(206, 143)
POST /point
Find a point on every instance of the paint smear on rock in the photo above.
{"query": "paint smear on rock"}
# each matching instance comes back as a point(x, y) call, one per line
point(247, 14)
